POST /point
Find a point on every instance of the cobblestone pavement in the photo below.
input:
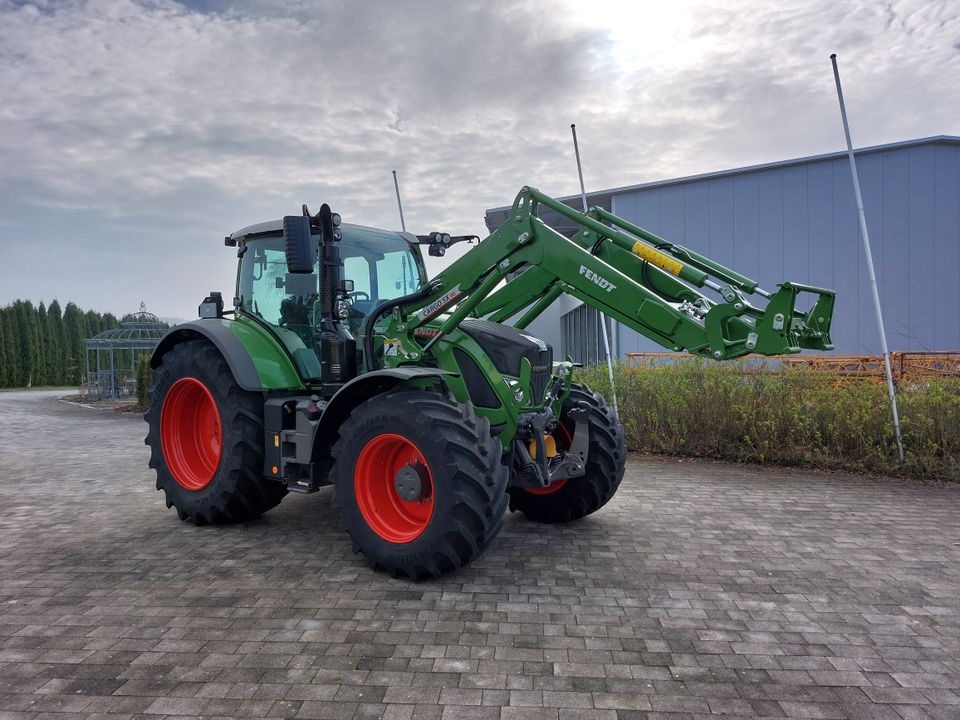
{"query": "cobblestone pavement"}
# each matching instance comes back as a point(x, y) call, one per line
point(702, 590)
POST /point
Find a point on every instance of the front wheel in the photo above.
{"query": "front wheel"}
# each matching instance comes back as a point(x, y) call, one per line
point(419, 483)
point(573, 499)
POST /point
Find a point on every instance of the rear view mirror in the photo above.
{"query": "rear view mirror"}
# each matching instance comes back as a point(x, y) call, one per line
point(296, 239)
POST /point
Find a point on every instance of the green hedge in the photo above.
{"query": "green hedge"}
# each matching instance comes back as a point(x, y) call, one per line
point(786, 416)
point(144, 379)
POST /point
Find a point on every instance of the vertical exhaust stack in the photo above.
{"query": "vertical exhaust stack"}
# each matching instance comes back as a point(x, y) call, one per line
point(337, 347)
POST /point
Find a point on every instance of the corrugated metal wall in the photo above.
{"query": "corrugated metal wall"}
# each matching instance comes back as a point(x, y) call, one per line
point(581, 336)
point(799, 222)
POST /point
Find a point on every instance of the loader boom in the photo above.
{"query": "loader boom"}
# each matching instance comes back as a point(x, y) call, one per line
point(626, 272)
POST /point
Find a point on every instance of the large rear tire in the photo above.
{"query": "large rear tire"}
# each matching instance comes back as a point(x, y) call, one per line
point(419, 483)
point(606, 458)
point(206, 439)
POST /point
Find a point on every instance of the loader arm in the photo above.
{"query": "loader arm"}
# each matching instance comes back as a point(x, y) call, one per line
point(626, 272)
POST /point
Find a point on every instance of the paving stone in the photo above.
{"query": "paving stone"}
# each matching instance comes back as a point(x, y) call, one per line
point(526, 713)
point(469, 712)
point(702, 589)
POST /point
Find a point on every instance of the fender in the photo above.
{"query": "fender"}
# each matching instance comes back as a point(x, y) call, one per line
point(356, 391)
point(258, 362)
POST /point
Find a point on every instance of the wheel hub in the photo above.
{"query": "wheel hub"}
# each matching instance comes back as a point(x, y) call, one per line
point(409, 482)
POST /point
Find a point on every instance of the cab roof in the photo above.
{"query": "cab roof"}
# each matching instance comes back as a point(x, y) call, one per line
point(275, 227)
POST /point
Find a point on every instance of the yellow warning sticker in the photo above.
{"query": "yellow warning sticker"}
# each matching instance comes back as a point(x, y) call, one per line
point(655, 257)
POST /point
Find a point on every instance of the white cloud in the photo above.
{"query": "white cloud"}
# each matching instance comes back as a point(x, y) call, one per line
point(142, 132)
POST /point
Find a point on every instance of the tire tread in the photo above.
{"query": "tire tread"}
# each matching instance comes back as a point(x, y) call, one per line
point(478, 483)
point(239, 491)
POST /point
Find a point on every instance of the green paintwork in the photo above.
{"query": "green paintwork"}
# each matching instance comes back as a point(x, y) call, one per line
point(619, 283)
point(628, 273)
point(631, 275)
point(702, 266)
point(273, 363)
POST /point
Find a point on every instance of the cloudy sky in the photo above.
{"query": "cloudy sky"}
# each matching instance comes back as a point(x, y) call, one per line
point(135, 135)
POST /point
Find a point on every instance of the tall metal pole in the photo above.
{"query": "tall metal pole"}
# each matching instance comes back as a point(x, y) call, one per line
point(396, 186)
point(870, 271)
point(603, 320)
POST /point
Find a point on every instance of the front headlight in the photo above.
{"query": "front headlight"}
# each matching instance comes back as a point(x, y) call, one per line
point(514, 386)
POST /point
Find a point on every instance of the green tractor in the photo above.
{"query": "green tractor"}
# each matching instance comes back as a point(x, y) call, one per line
point(343, 364)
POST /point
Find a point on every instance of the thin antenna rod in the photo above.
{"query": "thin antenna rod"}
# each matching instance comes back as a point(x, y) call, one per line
point(576, 151)
point(396, 186)
point(603, 319)
point(870, 271)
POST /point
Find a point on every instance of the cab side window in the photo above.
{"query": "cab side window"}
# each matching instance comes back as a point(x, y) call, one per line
point(357, 268)
point(396, 275)
point(262, 287)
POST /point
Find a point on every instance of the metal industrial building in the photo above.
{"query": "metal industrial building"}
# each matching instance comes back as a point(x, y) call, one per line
point(797, 220)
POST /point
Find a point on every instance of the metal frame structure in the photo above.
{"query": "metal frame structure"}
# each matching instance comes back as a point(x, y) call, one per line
point(111, 356)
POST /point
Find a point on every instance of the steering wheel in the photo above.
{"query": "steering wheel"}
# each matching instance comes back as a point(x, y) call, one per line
point(355, 295)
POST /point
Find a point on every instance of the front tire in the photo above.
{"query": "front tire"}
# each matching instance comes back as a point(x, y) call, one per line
point(206, 439)
point(419, 483)
point(573, 499)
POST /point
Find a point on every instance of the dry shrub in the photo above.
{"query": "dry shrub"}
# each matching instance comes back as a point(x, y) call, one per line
point(788, 416)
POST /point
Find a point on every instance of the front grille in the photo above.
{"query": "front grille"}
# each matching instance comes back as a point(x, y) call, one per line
point(540, 377)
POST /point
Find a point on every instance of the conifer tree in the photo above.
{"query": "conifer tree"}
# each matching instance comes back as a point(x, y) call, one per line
point(9, 347)
point(27, 343)
point(3, 354)
point(74, 326)
point(43, 357)
point(42, 345)
point(56, 339)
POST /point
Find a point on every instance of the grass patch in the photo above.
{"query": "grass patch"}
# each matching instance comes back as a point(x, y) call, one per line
point(785, 416)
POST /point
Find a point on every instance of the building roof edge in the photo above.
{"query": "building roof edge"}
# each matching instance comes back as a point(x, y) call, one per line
point(933, 139)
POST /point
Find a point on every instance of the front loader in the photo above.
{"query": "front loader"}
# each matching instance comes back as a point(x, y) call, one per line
point(426, 403)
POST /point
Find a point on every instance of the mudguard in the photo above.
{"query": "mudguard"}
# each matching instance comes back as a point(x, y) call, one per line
point(256, 359)
point(359, 389)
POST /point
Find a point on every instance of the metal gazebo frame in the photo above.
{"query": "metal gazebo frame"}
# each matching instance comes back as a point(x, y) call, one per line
point(111, 356)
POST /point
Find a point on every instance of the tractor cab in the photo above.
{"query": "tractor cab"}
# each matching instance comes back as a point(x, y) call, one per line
point(377, 265)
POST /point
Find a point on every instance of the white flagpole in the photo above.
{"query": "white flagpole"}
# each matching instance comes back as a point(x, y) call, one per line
point(603, 320)
point(871, 272)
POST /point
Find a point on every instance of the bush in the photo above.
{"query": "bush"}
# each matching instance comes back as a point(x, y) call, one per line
point(785, 415)
point(144, 379)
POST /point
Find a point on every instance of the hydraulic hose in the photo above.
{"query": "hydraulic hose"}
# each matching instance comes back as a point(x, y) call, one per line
point(382, 309)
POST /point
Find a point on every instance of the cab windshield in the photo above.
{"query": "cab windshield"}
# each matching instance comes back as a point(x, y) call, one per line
point(380, 264)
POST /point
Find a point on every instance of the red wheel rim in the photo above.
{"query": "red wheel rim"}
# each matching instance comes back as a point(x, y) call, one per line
point(190, 433)
point(563, 435)
point(385, 512)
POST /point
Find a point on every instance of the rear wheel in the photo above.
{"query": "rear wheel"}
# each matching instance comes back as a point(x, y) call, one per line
point(206, 439)
point(419, 482)
point(606, 457)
